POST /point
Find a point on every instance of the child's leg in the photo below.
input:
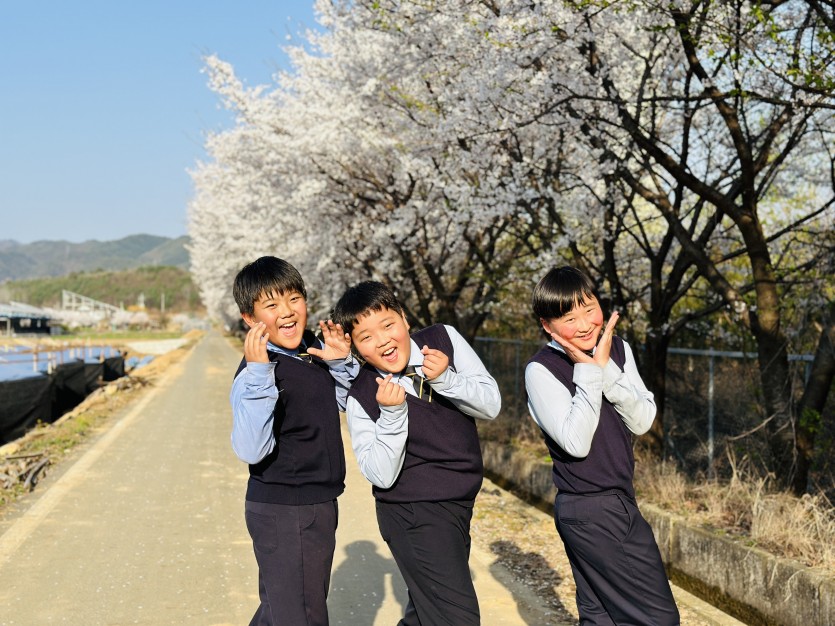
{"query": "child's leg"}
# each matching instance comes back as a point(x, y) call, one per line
point(612, 547)
point(430, 542)
point(589, 606)
point(294, 548)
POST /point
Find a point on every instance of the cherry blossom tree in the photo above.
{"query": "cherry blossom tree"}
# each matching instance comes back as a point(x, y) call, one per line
point(680, 153)
point(724, 112)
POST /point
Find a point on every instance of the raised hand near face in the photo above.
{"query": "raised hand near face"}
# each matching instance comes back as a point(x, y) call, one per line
point(604, 346)
point(601, 353)
point(255, 344)
point(337, 342)
point(435, 362)
point(389, 393)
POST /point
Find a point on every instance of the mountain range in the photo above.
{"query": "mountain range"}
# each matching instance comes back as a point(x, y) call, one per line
point(41, 259)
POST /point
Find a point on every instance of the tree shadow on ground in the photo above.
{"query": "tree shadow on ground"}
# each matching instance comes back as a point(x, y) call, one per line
point(533, 571)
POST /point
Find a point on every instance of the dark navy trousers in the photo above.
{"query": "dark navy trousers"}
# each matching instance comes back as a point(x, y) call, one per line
point(616, 563)
point(430, 542)
point(294, 548)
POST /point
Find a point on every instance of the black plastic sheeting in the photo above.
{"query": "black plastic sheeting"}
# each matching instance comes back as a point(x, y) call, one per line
point(69, 388)
point(114, 367)
point(23, 403)
point(44, 398)
point(93, 373)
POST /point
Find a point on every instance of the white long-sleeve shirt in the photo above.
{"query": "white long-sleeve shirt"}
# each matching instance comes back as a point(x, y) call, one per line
point(571, 421)
point(380, 447)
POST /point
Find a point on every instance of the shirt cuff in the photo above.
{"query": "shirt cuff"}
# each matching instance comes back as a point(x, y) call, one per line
point(445, 381)
point(260, 374)
point(343, 364)
point(587, 373)
point(611, 375)
point(391, 414)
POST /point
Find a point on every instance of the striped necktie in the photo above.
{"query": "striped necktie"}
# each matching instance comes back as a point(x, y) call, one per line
point(411, 373)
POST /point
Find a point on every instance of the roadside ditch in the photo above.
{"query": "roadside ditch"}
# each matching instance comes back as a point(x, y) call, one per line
point(752, 585)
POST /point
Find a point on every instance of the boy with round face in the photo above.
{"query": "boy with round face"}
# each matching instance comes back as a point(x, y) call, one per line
point(279, 317)
point(382, 339)
point(411, 413)
point(286, 398)
point(585, 393)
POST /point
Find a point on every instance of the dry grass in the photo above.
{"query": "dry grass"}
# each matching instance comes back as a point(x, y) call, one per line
point(746, 506)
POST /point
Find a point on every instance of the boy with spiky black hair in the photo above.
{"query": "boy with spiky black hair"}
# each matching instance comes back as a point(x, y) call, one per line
point(585, 393)
point(286, 398)
point(410, 414)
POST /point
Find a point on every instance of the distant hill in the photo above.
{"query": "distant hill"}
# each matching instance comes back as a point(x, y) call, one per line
point(122, 288)
point(41, 259)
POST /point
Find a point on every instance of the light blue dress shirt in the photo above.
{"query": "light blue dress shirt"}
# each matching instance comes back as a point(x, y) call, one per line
point(253, 397)
point(380, 447)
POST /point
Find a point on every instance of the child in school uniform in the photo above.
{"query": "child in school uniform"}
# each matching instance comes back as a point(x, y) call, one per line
point(286, 398)
point(585, 393)
point(411, 413)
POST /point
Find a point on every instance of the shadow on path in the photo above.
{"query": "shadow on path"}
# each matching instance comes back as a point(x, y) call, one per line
point(531, 566)
point(356, 599)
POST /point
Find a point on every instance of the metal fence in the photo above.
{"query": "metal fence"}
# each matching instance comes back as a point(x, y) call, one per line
point(713, 400)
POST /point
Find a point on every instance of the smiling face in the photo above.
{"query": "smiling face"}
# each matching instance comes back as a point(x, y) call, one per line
point(580, 327)
point(284, 314)
point(382, 339)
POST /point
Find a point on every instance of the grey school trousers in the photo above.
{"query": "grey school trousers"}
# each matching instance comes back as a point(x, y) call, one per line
point(294, 548)
point(616, 563)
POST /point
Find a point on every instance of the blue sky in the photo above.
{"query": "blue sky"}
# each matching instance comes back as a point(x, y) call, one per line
point(104, 107)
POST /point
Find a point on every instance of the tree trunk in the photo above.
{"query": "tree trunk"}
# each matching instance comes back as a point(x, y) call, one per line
point(654, 371)
point(772, 352)
point(811, 406)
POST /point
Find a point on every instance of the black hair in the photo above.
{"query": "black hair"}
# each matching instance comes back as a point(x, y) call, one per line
point(267, 275)
point(560, 290)
point(363, 299)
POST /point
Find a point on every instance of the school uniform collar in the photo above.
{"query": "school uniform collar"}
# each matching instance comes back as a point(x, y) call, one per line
point(553, 344)
point(271, 347)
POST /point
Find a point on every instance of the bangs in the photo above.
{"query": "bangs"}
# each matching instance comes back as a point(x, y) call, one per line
point(559, 291)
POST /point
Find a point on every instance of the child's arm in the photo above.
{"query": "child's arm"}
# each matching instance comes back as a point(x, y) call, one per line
point(380, 447)
point(469, 386)
point(569, 420)
point(627, 392)
point(336, 352)
point(253, 399)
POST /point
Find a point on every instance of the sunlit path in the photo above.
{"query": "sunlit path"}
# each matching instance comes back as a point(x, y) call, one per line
point(146, 527)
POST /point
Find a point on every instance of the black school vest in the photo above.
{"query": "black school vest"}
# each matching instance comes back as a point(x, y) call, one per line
point(610, 463)
point(443, 456)
point(307, 465)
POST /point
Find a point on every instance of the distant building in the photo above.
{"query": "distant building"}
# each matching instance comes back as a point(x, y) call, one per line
point(17, 318)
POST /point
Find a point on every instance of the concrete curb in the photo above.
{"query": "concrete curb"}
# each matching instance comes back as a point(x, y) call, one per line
point(753, 585)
